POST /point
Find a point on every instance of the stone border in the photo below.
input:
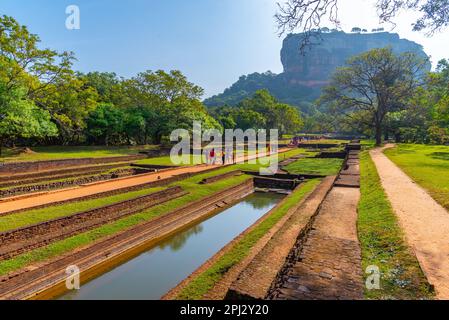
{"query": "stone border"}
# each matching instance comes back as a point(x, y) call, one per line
point(21, 240)
point(51, 175)
point(221, 177)
point(76, 181)
point(257, 278)
point(159, 183)
point(11, 168)
point(48, 279)
point(221, 287)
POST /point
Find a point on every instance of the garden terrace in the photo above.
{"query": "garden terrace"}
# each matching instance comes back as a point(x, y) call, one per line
point(12, 168)
point(55, 183)
point(15, 242)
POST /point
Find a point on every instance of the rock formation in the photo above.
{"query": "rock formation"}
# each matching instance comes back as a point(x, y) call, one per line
point(305, 73)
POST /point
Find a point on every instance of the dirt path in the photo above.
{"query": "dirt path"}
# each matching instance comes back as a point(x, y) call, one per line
point(329, 267)
point(82, 191)
point(424, 221)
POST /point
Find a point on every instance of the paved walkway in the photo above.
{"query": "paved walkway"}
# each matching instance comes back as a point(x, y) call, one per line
point(82, 191)
point(424, 222)
point(329, 267)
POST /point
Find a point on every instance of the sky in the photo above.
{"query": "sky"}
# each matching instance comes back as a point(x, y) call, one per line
point(213, 42)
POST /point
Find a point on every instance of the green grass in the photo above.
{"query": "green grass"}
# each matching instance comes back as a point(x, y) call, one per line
point(69, 152)
point(196, 192)
point(383, 243)
point(326, 167)
point(204, 282)
point(426, 165)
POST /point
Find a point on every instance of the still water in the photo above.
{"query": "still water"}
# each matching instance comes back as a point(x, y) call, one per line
point(153, 273)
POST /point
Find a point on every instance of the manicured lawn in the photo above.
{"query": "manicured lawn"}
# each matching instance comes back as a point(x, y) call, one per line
point(199, 286)
point(383, 243)
point(196, 190)
point(62, 152)
point(326, 167)
point(426, 165)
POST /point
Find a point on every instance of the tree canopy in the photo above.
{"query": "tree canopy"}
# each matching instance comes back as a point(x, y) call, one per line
point(373, 85)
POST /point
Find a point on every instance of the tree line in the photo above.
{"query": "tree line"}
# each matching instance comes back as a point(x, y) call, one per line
point(44, 101)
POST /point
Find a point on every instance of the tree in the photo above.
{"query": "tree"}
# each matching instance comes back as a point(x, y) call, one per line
point(21, 118)
point(24, 64)
point(308, 15)
point(356, 30)
point(376, 83)
point(105, 123)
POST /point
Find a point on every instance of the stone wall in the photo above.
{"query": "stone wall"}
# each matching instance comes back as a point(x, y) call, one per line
point(37, 166)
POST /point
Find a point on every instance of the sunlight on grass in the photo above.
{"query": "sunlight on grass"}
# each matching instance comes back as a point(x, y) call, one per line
point(383, 244)
point(426, 165)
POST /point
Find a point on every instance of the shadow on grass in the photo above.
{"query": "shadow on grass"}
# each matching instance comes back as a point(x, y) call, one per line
point(440, 155)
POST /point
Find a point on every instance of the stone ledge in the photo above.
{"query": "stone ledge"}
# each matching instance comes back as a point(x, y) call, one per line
point(255, 281)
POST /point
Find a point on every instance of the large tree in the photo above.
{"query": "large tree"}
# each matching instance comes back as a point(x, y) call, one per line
point(374, 84)
point(309, 15)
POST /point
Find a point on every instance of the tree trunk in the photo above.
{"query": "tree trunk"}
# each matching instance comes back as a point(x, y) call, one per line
point(378, 135)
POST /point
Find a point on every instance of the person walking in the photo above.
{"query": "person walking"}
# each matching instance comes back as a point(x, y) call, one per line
point(212, 156)
point(223, 157)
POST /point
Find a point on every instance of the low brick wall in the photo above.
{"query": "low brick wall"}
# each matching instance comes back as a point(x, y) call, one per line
point(270, 183)
point(332, 155)
point(318, 145)
point(221, 177)
point(18, 241)
point(37, 166)
point(53, 175)
point(14, 191)
point(154, 184)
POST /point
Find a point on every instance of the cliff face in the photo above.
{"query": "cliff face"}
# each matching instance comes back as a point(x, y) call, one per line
point(315, 66)
point(306, 73)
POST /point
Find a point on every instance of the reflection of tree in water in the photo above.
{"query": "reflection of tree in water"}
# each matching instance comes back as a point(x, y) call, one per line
point(178, 241)
point(263, 200)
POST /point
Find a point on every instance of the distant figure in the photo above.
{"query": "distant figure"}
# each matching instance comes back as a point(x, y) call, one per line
point(212, 156)
point(269, 149)
point(223, 157)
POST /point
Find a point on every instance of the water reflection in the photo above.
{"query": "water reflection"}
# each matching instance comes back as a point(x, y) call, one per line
point(178, 241)
point(155, 272)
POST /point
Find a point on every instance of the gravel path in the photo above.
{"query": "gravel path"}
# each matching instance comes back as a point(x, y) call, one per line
point(424, 222)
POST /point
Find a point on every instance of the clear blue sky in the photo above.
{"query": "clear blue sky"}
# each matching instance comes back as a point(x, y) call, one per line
point(213, 42)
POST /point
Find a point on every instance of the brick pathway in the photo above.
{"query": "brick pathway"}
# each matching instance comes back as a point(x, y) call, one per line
point(329, 265)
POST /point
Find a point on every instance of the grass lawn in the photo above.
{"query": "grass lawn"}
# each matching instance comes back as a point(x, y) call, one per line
point(196, 190)
point(199, 286)
point(383, 243)
point(426, 165)
point(69, 152)
point(326, 167)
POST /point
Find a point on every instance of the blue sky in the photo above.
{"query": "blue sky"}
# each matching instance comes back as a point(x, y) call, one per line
point(213, 42)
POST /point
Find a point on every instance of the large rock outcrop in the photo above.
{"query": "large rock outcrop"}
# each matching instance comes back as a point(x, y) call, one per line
point(305, 73)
